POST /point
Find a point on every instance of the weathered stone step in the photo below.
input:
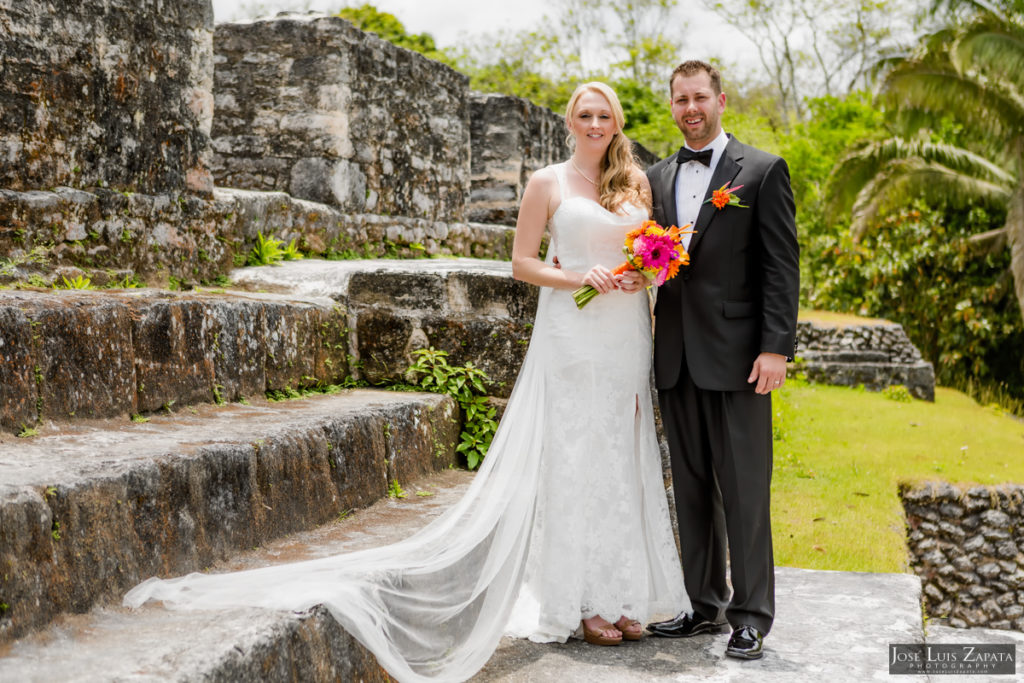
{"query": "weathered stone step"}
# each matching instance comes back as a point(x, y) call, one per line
point(152, 643)
point(869, 611)
point(97, 354)
point(88, 510)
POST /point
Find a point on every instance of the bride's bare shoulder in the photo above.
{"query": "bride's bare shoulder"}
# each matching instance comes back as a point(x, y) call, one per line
point(544, 175)
point(542, 182)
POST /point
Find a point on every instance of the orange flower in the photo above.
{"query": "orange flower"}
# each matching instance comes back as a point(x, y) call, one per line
point(720, 198)
point(726, 196)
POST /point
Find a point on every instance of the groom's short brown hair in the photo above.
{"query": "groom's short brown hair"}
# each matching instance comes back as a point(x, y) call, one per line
point(695, 66)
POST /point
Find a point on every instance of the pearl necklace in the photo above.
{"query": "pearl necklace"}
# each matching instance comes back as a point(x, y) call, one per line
point(572, 160)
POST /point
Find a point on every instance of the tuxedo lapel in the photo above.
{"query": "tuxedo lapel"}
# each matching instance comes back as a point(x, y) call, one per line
point(725, 172)
point(667, 181)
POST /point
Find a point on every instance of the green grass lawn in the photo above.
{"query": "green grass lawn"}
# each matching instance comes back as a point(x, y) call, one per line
point(840, 454)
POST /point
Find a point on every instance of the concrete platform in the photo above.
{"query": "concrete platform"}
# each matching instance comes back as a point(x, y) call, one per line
point(831, 626)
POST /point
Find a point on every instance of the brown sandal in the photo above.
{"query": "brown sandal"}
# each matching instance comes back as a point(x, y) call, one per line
point(623, 624)
point(596, 636)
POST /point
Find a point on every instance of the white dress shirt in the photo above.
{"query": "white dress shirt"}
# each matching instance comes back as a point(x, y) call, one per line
point(692, 182)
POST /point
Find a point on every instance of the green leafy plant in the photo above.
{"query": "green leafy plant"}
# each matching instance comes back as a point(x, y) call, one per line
point(80, 282)
point(468, 386)
point(28, 432)
point(55, 530)
point(291, 252)
point(897, 392)
point(139, 418)
point(37, 255)
point(269, 251)
point(395, 490)
point(266, 251)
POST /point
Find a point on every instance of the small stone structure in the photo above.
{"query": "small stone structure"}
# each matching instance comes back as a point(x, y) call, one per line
point(875, 355)
point(966, 547)
point(312, 106)
point(114, 94)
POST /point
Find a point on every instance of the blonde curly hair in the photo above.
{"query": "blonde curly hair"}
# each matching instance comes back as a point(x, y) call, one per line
point(617, 184)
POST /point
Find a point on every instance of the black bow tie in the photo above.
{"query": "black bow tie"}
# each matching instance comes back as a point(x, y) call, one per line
point(703, 156)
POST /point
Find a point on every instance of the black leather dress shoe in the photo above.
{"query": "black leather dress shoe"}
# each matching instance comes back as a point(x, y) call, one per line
point(686, 624)
point(746, 643)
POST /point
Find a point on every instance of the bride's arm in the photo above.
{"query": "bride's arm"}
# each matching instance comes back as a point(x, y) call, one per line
point(536, 208)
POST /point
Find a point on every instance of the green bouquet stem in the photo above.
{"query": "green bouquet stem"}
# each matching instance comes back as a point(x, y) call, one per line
point(583, 295)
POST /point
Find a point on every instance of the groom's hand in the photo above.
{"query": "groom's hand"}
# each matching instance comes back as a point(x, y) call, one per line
point(630, 281)
point(769, 372)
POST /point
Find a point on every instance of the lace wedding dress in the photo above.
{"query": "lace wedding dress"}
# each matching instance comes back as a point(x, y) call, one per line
point(567, 517)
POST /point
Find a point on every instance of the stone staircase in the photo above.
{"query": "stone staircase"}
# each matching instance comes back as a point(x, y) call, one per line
point(137, 439)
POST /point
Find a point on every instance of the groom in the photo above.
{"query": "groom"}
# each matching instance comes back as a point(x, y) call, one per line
point(725, 328)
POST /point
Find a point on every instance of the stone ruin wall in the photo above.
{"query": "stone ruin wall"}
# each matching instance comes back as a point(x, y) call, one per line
point(111, 94)
point(966, 545)
point(368, 145)
point(311, 106)
point(511, 138)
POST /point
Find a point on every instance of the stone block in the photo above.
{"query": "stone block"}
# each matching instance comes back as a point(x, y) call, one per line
point(974, 543)
point(18, 386)
point(996, 518)
point(1007, 550)
point(238, 351)
point(292, 341)
point(418, 292)
point(385, 342)
point(989, 570)
point(952, 532)
point(951, 511)
point(84, 355)
point(174, 352)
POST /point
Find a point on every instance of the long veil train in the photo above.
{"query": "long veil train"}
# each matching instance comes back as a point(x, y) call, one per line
point(434, 606)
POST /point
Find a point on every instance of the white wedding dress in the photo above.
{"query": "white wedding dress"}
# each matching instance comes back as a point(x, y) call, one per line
point(567, 517)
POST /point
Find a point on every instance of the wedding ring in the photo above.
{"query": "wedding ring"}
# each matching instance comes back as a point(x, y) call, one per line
point(776, 381)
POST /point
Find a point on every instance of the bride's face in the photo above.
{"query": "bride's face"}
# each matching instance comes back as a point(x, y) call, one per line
point(593, 122)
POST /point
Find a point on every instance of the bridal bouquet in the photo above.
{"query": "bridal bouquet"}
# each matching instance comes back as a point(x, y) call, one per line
point(651, 250)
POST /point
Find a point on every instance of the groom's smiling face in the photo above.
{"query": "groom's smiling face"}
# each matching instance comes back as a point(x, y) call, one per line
point(697, 108)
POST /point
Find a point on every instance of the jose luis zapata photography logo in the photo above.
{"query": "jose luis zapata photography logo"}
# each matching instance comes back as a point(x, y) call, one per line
point(917, 658)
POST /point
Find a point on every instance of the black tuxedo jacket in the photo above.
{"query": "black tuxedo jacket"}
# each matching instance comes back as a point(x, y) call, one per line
point(738, 297)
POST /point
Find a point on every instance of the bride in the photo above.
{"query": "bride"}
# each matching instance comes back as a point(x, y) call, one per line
point(565, 529)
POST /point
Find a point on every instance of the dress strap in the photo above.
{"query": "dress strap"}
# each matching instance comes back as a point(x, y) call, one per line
point(563, 181)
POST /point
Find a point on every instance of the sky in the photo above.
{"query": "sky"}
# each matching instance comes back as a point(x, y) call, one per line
point(450, 21)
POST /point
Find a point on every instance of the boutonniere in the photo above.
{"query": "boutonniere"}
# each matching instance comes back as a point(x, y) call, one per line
point(725, 196)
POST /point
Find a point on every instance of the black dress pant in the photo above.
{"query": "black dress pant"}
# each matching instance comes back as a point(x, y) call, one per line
point(721, 451)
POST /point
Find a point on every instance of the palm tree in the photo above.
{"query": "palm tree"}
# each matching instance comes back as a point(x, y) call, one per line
point(973, 72)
